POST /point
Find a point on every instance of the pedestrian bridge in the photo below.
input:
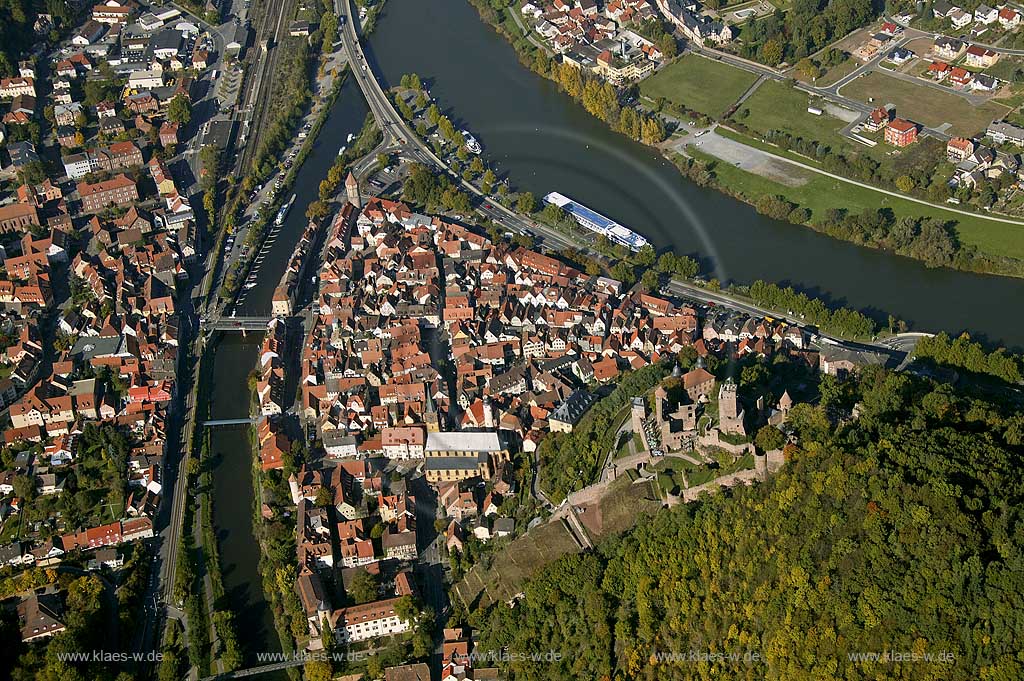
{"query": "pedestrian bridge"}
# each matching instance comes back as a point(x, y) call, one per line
point(227, 422)
point(254, 671)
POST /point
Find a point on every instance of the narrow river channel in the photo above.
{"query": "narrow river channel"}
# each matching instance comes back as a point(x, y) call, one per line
point(546, 142)
point(235, 358)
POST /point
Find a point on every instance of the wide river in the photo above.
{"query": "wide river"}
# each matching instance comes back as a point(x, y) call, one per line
point(546, 142)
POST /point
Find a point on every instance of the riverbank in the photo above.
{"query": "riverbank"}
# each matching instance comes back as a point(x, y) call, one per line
point(936, 243)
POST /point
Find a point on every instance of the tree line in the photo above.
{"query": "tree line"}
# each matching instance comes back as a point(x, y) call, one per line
point(841, 321)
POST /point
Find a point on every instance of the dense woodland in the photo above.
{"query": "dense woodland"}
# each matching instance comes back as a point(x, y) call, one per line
point(898, 531)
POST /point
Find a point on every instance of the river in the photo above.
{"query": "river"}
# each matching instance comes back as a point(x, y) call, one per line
point(544, 141)
point(235, 358)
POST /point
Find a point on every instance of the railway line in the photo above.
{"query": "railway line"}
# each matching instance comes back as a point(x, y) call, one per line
point(269, 31)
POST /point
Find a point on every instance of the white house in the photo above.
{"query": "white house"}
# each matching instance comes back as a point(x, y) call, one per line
point(370, 620)
point(984, 14)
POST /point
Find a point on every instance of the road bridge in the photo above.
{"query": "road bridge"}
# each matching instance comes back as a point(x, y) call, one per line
point(237, 324)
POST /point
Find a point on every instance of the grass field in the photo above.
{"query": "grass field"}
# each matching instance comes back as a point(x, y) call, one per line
point(624, 504)
point(514, 564)
point(703, 85)
point(926, 105)
point(821, 193)
point(844, 68)
point(777, 106)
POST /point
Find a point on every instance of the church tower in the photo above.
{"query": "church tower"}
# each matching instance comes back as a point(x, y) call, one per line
point(430, 418)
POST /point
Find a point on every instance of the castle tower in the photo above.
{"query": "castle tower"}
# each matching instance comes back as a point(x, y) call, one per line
point(352, 191)
point(785, 404)
point(728, 401)
point(730, 415)
point(638, 414)
point(660, 395)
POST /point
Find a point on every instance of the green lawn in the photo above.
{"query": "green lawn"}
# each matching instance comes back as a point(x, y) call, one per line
point(821, 193)
point(703, 85)
point(777, 106)
point(834, 74)
point(926, 105)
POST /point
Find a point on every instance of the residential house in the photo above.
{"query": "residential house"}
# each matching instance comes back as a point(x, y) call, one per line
point(984, 14)
point(984, 83)
point(168, 134)
point(960, 18)
point(40, 615)
point(942, 9)
point(88, 34)
point(1009, 18)
point(980, 57)
point(119, 191)
point(960, 77)
point(113, 12)
point(900, 56)
point(403, 443)
point(12, 87)
point(877, 119)
point(959, 148)
point(947, 48)
point(18, 217)
point(367, 621)
point(900, 132)
point(1002, 132)
point(939, 70)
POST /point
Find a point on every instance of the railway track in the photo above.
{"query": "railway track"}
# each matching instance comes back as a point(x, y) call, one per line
point(271, 27)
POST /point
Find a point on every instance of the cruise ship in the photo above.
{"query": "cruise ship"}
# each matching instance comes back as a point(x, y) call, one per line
point(596, 222)
point(472, 146)
point(283, 213)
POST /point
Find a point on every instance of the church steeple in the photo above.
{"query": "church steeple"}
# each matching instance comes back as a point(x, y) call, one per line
point(430, 417)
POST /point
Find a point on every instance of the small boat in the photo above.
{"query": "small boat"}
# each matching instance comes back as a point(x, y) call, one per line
point(342, 150)
point(472, 146)
point(251, 284)
point(351, 136)
point(283, 213)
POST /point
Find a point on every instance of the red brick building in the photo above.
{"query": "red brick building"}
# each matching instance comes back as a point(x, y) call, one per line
point(118, 191)
point(900, 132)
